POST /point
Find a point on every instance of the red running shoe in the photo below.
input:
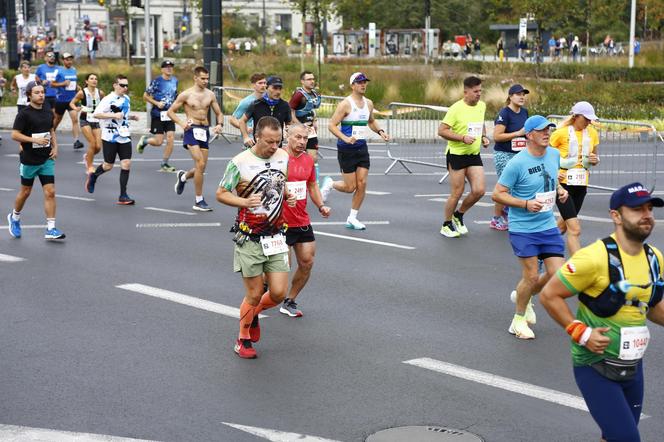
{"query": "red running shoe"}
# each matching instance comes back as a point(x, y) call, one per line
point(255, 330)
point(244, 349)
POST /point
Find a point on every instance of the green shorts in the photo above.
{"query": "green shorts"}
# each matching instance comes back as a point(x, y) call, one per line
point(249, 259)
point(29, 171)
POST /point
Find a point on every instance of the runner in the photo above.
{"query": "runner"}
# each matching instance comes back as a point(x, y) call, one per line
point(161, 94)
point(258, 178)
point(91, 96)
point(19, 82)
point(33, 129)
point(463, 128)
point(66, 81)
point(577, 154)
point(529, 185)
point(270, 104)
point(300, 234)
point(259, 84)
point(304, 103)
point(354, 114)
point(609, 333)
point(46, 73)
point(508, 134)
point(197, 101)
point(113, 113)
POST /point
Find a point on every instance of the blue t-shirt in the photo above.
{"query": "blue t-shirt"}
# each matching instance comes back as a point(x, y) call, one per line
point(162, 90)
point(513, 122)
point(48, 73)
point(66, 93)
point(525, 176)
point(243, 107)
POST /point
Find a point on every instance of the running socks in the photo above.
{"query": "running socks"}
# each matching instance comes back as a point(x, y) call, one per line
point(100, 170)
point(199, 198)
point(353, 213)
point(247, 313)
point(50, 223)
point(458, 215)
point(124, 179)
point(266, 303)
point(16, 216)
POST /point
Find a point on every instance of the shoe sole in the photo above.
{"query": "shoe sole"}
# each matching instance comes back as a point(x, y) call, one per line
point(351, 227)
point(179, 191)
point(513, 299)
point(51, 238)
point(200, 209)
point(513, 332)
point(448, 236)
point(126, 203)
point(292, 315)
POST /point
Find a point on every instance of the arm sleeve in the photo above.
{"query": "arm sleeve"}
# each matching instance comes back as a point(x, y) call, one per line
point(231, 177)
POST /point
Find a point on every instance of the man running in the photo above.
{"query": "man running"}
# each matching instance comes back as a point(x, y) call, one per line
point(463, 128)
point(255, 183)
point(33, 129)
point(300, 234)
point(113, 115)
point(46, 73)
point(259, 85)
point(65, 82)
point(619, 283)
point(355, 115)
point(161, 94)
point(304, 102)
point(269, 105)
point(529, 186)
point(197, 101)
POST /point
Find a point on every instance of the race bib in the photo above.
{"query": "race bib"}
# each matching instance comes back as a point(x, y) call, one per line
point(475, 129)
point(298, 188)
point(50, 76)
point(633, 342)
point(359, 132)
point(164, 116)
point(86, 109)
point(22, 98)
point(312, 132)
point(90, 118)
point(274, 244)
point(200, 134)
point(548, 200)
point(518, 144)
point(124, 131)
point(577, 177)
point(46, 135)
point(71, 86)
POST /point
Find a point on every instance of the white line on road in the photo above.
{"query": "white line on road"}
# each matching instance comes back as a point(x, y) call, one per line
point(6, 189)
point(479, 203)
point(352, 238)
point(157, 209)
point(28, 434)
point(10, 258)
point(375, 192)
point(28, 226)
point(12, 155)
point(276, 435)
point(166, 225)
point(78, 198)
point(343, 223)
point(179, 298)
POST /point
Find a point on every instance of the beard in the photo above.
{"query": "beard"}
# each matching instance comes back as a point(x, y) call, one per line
point(637, 231)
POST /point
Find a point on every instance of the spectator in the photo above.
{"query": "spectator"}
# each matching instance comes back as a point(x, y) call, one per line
point(477, 47)
point(575, 48)
point(637, 46)
point(552, 47)
point(468, 50)
point(416, 47)
point(500, 48)
point(523, 47)
point(93, 47)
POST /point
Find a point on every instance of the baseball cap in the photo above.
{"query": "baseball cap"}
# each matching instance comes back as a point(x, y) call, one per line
point(167, 63)
point(67, 55)
point(28, 88)
point(516, 88)
point(584, 108)
point(358, 77)
point(273, 80)
point(633, 195)
point(537, 122)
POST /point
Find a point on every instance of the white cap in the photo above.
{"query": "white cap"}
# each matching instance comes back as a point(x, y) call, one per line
point(586, 109)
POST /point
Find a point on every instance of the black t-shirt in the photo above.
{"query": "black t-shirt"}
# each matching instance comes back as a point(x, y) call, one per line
point(259, 109)
point(34, 123)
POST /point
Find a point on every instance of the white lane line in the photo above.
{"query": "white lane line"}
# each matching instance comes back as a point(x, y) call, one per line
point(30, 434)
point(28, 226)
point(582, 217)
point(535, 391)
point(479, 203)
point(10, 258)
point(157, 209)
point(78, 198)
point(375, 192)
point(167, 225)
point(369, 241)
point(343, 223)
point(276, 435)
point(6, 189)
point(12, 155)
point(179, 298)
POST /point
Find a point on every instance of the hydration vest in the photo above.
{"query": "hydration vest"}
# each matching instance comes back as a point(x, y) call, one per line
point(307, 114)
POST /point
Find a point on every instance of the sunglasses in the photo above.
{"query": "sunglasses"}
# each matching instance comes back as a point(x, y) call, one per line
point(123, 84)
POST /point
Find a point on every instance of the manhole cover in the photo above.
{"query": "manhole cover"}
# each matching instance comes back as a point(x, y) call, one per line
point(428, 433)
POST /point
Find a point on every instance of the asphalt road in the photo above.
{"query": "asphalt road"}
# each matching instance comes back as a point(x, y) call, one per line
point(79, 354)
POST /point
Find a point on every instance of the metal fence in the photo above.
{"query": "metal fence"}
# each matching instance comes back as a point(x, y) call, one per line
point(628, 152)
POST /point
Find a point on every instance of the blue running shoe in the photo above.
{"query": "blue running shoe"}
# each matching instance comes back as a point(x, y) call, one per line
point(14, 226)
point(202, 206)
point(126, 200)
point(90, 182)
point(179, 185)
point(54, 233)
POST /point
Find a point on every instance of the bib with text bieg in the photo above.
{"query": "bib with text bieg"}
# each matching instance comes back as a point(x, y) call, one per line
point(273, 245)
point(124, 131)
point(298, 188)
point(577, 177)
point(164, 116)
point(518, 144)
point(633, 342)
point(359, 132)
point(46, 135)
point(548, 200)
point(200, 134)
point(475, 129)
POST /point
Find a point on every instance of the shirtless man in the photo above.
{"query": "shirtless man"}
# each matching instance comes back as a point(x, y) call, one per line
point(197, 101)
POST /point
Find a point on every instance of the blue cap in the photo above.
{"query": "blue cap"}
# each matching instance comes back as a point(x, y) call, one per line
point(516, 88)
point(633, 195)
point(537, 122)
point(273, 80)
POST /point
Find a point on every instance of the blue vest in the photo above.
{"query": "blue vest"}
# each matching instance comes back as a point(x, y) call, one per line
point(306, 114)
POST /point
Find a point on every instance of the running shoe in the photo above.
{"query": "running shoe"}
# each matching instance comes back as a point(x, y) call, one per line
point(255, 330)
point(90, 182)
point(519, 328)
point(497, 223)
point(54, 233)
point(142, 142)
point(165, 167)
point(531, 317)
point(326, 187)
point(14, 226)
point(126, 200)
point(459, 225)
point(289, 307)
point(179, 185)
point(449, 231)
point(244, 349)
point(202, 206)
point(78, 145)
point(354, 224)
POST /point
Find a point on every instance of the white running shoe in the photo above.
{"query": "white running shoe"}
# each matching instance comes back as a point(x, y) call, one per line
point(519, 328)
point(354, 224)
point(531, 317)
point(326, 187)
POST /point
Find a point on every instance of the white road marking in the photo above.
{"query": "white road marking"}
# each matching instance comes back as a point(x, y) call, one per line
point(375, 192)
point(369, 241)
point(535, 391)
point(157, 209)
point(12, 155)
point(10, 258)
point(6, 189)
point(166, 225)
point(78, 198)
point(276, 435)
point(179, 298)
point(28, 434)
point(479, 203)
point(28, 226)
point(582, 217)
point(343, 223)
